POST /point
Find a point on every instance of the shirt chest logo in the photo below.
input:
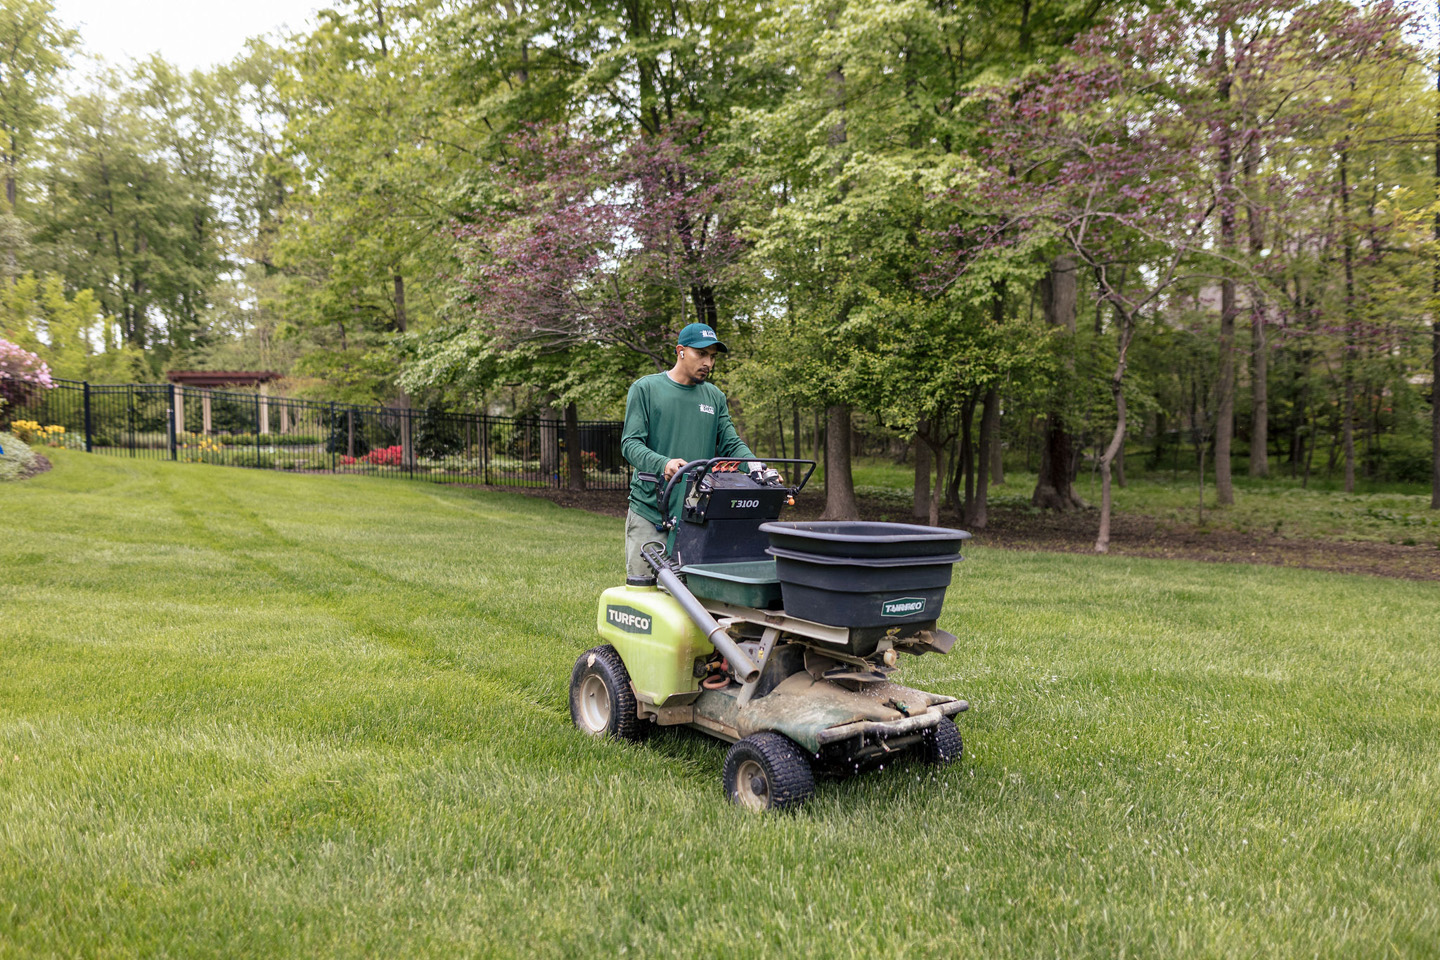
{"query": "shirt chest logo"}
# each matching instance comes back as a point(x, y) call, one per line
point(706, 408)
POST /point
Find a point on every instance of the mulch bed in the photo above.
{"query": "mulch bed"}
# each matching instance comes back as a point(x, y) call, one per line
point(40, 464)
point(1131, 535)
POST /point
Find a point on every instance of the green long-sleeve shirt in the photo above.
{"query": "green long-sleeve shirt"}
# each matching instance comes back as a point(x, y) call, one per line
point(665, 420)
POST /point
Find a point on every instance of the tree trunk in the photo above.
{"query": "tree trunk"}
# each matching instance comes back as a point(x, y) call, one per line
point(795, 430)
point(978, 514)
point(1435, 326)
point(934, 516)
point(1117, 439)
point(954, 473)
point(839, 482)
point(1347, 361)
point(574, 462)
point(1259, 347)
point(997, 451)
point(1225, 384)
point(967, 451)
point(549, 435)
point(1054, 489)
point(922, 472)
point(407, 426)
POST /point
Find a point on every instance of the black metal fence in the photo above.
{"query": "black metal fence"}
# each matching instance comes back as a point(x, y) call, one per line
point(243, 429)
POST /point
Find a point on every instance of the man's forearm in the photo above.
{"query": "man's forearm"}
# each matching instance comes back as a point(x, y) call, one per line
point(641, 457)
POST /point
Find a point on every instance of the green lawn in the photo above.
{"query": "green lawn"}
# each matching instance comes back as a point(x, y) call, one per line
point(251, 714)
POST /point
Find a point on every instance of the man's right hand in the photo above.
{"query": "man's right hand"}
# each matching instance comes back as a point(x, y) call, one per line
point(672, 466)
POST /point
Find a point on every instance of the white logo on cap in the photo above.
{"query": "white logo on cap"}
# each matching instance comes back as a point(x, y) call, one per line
point(708, 333)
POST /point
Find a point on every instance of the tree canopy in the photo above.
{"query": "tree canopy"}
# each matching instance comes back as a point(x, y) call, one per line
point(1076, 225)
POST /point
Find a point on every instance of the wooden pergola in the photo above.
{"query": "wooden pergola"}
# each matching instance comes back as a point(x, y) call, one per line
point(222, 378)
point(206, 380)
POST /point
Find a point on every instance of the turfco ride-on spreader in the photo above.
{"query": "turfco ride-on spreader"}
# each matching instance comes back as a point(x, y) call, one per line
point(780, 638)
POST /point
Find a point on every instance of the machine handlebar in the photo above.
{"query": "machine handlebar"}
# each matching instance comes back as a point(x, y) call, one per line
point(702, 467)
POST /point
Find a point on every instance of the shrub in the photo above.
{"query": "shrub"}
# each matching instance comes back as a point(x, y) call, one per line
point(16, 458)
point(24, 430)
point(340, 436)
point(384, 457)
point(437, 434)
point(1403, 459)
point(273, 439)
point(22, 374)
point(249, 458)
point(589, 463)
point(31, 432)
point(198, 448)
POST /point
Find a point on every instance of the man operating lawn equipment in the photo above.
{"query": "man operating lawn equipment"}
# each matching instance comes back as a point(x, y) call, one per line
point(780, 638)
point(672, 418)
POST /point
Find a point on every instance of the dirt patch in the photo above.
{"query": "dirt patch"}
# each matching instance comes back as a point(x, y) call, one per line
point(1131, 535)
point(1143, 536)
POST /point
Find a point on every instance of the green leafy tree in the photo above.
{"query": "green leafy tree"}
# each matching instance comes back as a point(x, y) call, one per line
point(66, 332)
point(364, 241)
point(34, 52)
point(131, 206)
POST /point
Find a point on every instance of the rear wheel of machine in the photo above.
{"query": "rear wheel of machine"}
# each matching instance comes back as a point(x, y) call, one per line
point(602, 703)
point(767, 771)
point(943, 743)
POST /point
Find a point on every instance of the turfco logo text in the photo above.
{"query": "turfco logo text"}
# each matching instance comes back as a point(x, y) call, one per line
point(628, 619)
point(902, 606)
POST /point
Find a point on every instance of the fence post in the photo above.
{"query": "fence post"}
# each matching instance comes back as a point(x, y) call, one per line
point(329, 432)
point(174, 427)
point(485, 447)
point(257, 431)
point(89, 442)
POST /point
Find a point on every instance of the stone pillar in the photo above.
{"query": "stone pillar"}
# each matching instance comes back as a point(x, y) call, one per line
point(179, 409)
point(284, 418)
point(205, 410)
point(264, 408)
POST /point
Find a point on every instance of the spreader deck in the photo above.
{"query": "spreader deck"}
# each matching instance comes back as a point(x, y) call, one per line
point(813, 713)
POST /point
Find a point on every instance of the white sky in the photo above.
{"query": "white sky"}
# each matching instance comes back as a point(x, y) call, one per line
point(188, 33)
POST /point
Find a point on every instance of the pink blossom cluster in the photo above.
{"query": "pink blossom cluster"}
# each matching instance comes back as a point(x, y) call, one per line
point(21, 373)
point(384, 457)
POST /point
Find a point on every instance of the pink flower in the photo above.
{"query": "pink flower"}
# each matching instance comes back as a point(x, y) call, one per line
point(21, 373)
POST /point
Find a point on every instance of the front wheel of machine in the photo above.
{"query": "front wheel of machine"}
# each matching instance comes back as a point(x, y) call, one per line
point(943, 743)
point(767, 771)
point(602, 703)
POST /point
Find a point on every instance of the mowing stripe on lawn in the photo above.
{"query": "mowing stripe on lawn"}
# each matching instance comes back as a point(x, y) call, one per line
point(257, 714)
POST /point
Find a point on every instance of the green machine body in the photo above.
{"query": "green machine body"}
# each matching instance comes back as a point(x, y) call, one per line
point(657, 641)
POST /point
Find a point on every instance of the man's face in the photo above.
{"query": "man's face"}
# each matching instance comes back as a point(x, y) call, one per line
point(696, 363)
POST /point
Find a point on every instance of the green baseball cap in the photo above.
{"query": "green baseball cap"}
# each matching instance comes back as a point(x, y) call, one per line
point(700, 335)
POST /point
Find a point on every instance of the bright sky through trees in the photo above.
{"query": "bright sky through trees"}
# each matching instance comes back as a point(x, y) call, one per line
point(187, 34)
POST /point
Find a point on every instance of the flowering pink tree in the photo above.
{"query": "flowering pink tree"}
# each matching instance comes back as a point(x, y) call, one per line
point(593, 245)
point(22, 374)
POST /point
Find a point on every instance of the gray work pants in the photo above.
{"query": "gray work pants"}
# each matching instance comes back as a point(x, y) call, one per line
point(638, 532)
